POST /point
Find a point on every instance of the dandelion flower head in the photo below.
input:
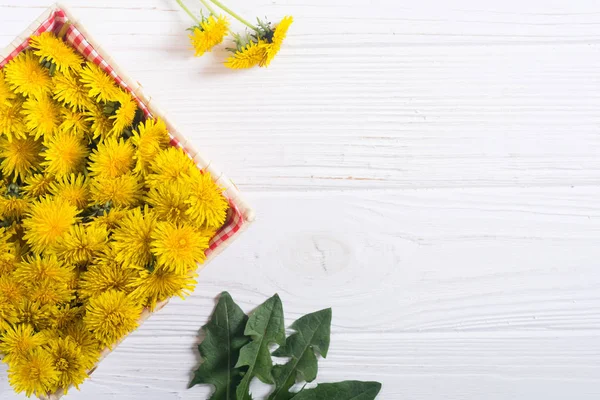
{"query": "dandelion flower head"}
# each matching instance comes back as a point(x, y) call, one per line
point(74, 188)
point(161, 284)
point(19, 341)
point(51, 48)
point(34, 374)
point(110, 316)
point(11, 120)
point(74, 122)
point(247, 56)
point(81, 244)
point(112, 158)
point(125, 114)
point(133, 237)
point(124, 190)
point(150, 138)
point(100, 85)
point(20, 156)
point(65, 154)
point(210, 32)
point(69, 91)
point(279, 34)
point(42, 115)
point(207, 205)
point(6, 95)
point(26, 76)
point(106, 273)
point(178, 247)
point(69, 362)
point(48, 220)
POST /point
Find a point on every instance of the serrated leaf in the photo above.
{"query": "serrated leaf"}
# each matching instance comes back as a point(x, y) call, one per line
point(265, 326)
point(347, 390)
point(312, 335)
point(220, 349)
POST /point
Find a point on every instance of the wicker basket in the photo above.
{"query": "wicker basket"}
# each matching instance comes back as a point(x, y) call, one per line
point(60, 20)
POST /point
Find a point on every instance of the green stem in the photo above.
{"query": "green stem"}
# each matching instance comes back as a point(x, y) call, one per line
point(234, 15)
point(187, 10)
point(209, 7)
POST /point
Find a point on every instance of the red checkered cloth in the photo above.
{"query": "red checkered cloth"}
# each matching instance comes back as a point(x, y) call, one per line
point(73, 36)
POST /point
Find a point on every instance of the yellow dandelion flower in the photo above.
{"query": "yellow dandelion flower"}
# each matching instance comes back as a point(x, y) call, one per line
point(8, 253)
point(65, 316)
point(107, 274)
point(69, 91)
point(110, 316)
point(20, 156)
point(8, 316)
point(6, 95)
point(7, 265)
point(13, 207)
point(210, 32)
point(39, 316)
point(70, 362)
point(37, 185)
point(45, 269)
point(49, 219)
point(11, 291)
point(149, 140)
point(132, 238)
point(170, 165)
point(109, 220)
point(51, 294)
point(81, 244)
point(78, 332)
point(19, 341)
point(160, 284)
point(168, 200)
point(247, 56)
point(65, 154)
point(101, 125)
point(122, 191)
point(46, 279)
point(42, 116)
point(73, 188)
point(178, 247)
point(99, 84)
point(125, 114)
point(26, 76)
point(279, 34)
point(51, 48)
point(207, 205)
point(74, 122)
point(11, 120)
point(33, 374)
point(112, 158)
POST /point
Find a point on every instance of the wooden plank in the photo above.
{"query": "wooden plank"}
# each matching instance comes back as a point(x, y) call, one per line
point(429, 170)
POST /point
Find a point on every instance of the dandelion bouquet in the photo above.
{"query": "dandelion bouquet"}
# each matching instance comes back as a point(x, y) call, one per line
point(256, 47)
point(103, 216)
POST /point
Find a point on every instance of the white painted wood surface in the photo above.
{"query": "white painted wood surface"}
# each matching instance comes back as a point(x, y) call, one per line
point(429, 169)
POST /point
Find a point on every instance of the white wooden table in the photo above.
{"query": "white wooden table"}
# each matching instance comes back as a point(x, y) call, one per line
point(429, 170)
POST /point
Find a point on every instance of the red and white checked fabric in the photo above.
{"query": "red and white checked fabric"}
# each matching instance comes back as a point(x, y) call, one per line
point(73, 36)
point(52, 24)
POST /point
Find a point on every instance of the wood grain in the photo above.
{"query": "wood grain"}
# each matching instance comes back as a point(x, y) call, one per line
point(429, 170)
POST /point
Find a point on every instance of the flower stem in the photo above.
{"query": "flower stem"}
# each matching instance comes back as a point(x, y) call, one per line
point(187, 10)
point(209, 7)
point(234, 15)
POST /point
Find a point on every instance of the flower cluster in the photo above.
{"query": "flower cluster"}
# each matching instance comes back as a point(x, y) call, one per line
point(258, 47)
point(100, 217)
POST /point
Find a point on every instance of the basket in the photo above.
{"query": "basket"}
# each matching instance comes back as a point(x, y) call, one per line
point(60, 20)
